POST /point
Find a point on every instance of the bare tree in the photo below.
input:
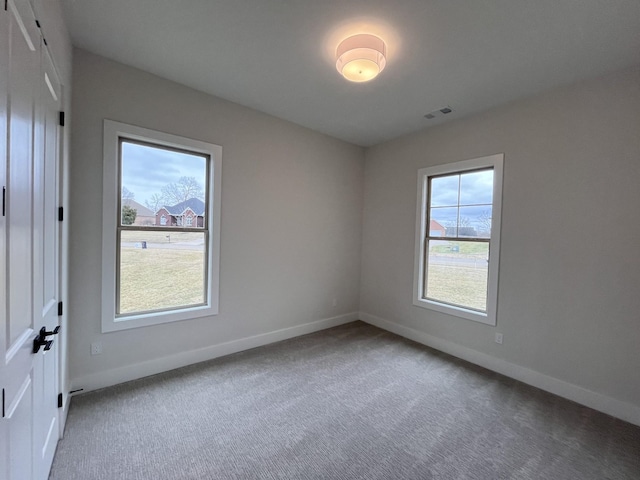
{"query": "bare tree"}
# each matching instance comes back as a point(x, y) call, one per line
point(127, 194)
point(485, 220)
point(464, 222)
point(155, 202)
point(184, 189)
point(460, 222)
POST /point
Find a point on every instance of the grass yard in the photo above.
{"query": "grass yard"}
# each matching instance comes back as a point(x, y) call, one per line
point(458, 285)
point(464, 248)
point(457, 273)
point(160, 278)
point(162, 237)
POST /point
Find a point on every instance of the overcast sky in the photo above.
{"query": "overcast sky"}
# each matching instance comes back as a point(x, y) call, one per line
point(472, 192)
point(145, 170)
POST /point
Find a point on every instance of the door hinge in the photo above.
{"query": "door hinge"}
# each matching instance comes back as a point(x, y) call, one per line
point(4, 197)
point(61, 115)
point(60, 214)
point(5, 9)
point(59, 400)
point(59, 309)
point(3, 403)
point(38, 24)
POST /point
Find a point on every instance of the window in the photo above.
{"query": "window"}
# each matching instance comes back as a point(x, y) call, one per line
point(457, 238)
point(159, 270)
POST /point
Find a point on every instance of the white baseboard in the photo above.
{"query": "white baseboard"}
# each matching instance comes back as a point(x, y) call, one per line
point(611, 406)
point(159, 365)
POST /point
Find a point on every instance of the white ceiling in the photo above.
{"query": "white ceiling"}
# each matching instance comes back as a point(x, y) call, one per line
point(277, 56)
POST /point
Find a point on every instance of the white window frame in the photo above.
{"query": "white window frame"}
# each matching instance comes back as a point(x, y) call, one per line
point(113, 132)
point(419, 278)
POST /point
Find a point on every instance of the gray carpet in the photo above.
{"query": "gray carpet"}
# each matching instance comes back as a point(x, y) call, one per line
point(345, 403)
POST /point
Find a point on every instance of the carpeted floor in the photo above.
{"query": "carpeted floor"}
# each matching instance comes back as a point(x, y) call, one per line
point(345, 403)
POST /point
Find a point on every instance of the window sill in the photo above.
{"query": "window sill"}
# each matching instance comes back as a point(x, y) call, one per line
point(156, 318)
point(459, 312)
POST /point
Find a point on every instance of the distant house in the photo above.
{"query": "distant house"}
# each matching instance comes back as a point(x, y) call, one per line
point(144, 216)
point(189, 213)
point(436, 230)
point(462, 232)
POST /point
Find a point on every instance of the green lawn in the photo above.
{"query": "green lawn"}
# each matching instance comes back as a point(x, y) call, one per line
point(162, 237)
point(458, 273)
point(160, 278)
point(464, 286)
point(464, 248)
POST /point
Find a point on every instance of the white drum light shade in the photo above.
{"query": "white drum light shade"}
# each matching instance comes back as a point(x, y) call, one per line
point(361, 58)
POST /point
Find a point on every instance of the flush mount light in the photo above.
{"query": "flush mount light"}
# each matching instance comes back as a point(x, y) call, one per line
point(361, 57)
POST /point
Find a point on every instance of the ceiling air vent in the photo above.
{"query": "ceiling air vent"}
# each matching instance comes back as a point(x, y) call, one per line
point(438, 112)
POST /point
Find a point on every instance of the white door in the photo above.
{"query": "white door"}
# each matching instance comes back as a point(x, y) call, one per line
point(26, 273)
point(23, 70)
point(45, 265)
point(4, 83)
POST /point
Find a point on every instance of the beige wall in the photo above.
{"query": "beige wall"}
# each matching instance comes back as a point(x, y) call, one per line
point(568, 301)
point(291, 221)
point(292, 239)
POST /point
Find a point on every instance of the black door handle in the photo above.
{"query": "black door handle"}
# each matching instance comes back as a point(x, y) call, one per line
point(44, 333)
point(39, 342)
point(41, 339)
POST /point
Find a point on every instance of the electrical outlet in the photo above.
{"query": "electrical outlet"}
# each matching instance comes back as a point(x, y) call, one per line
point(96, 348)
point(499, 338)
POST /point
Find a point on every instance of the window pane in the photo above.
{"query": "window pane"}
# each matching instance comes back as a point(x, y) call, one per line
point(476, 188)
point(475, 221)
point(161, 270)
point(444, 191)
point(457, 273)
point(444, 219)
point(162, 187)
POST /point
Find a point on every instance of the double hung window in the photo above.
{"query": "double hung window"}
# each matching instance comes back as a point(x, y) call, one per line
point(161, 227)
point(457, 238)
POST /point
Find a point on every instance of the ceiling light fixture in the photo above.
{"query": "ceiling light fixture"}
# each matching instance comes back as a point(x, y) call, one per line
point(361, 57)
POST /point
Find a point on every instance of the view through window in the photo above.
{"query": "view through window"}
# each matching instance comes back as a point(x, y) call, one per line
point(457, 239)
point(460, 208)
point(162, 232)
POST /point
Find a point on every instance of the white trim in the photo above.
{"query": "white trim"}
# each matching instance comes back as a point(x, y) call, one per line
point(112, 132)
point(17, 399)
point(115, 376)
point(496, 162)
point(603, 403)
point(63, 413)
point(17, 345)
point(18, 18)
